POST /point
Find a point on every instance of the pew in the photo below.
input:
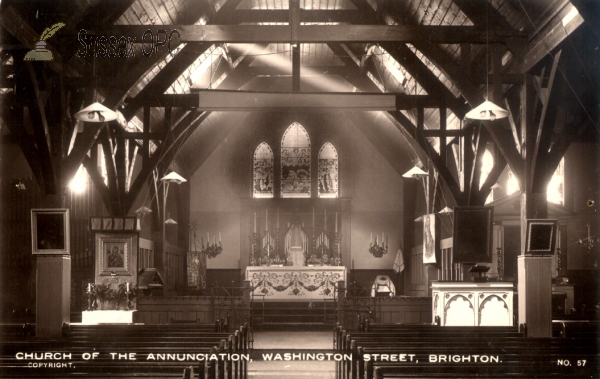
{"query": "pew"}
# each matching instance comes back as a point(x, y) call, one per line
point(178, 343)
point(521, 357)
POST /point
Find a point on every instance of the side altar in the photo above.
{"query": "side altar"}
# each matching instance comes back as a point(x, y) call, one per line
point(294, 283)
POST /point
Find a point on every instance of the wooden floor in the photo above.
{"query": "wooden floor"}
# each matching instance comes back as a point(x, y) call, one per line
point(291, 342)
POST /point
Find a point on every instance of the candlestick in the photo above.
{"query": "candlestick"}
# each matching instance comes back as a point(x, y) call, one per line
point(254, 222)
point(336, 222)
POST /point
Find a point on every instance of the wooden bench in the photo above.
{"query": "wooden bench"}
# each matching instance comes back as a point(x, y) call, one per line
point(176, 342)
point(519, 355)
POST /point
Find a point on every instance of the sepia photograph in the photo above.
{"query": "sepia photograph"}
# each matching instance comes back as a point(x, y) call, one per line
point(300, 189)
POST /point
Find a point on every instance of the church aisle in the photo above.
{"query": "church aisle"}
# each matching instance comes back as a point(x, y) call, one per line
point(269, 344)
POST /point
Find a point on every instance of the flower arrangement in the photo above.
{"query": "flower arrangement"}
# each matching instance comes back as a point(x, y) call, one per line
point(99, 294)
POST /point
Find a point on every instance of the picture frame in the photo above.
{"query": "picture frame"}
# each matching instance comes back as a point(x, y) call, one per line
point(50, 231)
point(115, 253)
point(541, 237)
point(472, 234)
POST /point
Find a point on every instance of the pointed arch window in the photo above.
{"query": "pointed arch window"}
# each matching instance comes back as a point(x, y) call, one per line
point(328, 171)
point(295, 162)
point(263, 171)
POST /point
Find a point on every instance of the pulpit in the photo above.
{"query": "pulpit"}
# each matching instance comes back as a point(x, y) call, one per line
point(473, 304)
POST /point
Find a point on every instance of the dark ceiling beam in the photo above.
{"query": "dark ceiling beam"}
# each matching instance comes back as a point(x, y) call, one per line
point(165, 78)
point(178, 135)
point(550, 36)
point(253, 16)
point(221, 100)
point(417, 69)
point(415, 133)
point(499, 129)
point(355, 77)
point(494, 20)
point(319, 33)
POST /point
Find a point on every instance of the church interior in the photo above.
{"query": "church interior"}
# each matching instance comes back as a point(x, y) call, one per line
point(215, 176)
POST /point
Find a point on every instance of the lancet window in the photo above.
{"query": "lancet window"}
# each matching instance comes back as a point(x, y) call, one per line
point(295, 162)
point(263, 171)
point(328, 171)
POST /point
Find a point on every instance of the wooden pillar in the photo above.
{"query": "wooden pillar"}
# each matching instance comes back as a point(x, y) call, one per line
point(534, 273)
point(341, 298)
point(53, 295)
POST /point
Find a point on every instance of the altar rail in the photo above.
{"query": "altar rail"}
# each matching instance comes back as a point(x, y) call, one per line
point(201, 309)
point(391, 310)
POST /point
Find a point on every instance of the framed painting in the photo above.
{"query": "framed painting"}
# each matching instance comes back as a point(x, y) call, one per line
point(472, 234)
point(115, 252)
point(541, 236)
point(50, 231)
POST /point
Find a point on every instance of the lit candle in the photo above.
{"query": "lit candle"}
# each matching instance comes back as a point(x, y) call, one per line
point(214, 239)
point(89, 287)
point(127, 286)
point(266, 220)
point(254, 222)
point(336, 222)
point(207, 238)
point(376, 236)
point(219, 236)
point(313, 218)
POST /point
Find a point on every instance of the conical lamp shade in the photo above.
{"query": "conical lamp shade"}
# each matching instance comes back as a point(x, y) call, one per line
point(96, 113)
point(487, 111)
point(170, 221)
point(414, 172)
point(446, 211)
point(143, 210)
point(173, 177)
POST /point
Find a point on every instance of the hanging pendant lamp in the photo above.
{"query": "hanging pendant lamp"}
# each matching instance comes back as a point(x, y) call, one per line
point(96, 112)
point(414, 173)
point(487, 111)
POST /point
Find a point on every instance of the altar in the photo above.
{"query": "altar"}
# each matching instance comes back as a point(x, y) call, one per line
point(292, 283)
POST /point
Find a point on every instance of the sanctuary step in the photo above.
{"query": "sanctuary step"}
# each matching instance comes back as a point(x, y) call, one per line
point(319, 315)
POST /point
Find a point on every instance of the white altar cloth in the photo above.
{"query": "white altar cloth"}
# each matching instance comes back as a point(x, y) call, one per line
point(107, 317)
point(287, 283)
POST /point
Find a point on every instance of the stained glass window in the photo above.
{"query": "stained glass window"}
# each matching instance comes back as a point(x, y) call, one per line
point(295, 162)
point(328, 171)
point(263, 171)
